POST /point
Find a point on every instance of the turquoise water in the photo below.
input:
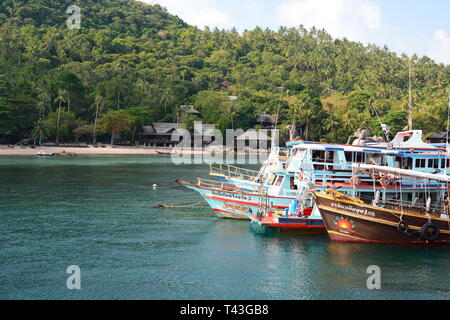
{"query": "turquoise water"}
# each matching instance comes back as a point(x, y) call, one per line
point(96, 212)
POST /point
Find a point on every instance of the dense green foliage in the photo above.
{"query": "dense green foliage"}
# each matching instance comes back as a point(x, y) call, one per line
point(62, 84)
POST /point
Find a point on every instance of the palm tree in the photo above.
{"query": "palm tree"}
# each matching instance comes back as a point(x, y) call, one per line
point(43, 104)
point(332, 124)
point(98, 104)
point(60, 98)
point(40, 130)
point(167, 97)
point(293, 115)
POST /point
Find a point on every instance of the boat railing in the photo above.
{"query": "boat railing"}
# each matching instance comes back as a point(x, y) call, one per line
point(232, 172)
point(282, 155)
point(407, 205)
point(221, 186)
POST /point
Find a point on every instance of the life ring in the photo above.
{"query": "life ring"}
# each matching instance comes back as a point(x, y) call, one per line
point(430, 231)
point(354, 181)
point(300, 175)
point(384, 181)
point(402, 227)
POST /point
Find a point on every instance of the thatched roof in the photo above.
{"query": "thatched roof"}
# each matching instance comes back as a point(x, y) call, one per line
point(438, 135)
point(148, 129)
point(265, 118)
point(166, 128)
point(162, 128)
point(189, 109)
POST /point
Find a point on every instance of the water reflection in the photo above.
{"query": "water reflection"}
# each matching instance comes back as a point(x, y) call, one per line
point(98, 212)
point(342, 254)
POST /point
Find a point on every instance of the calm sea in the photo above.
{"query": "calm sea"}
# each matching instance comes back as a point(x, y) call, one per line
point(96, 212)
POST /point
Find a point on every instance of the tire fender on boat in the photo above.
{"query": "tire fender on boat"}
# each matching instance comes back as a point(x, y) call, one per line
point(402, 227)
point(430, 231)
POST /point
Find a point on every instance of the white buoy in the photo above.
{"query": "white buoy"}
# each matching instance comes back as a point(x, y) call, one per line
point(154, 186)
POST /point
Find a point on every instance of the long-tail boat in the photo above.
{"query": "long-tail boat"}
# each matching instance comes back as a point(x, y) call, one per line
point(325, 166)
point(419, 218)
point(297, 219)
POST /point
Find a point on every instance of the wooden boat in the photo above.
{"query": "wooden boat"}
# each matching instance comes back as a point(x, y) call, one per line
point(423, 221)
point(298, 218)
point(288, 171)
point(290, 223)
point(229, 201)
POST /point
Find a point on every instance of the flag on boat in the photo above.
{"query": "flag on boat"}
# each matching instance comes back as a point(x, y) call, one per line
point(385, 127)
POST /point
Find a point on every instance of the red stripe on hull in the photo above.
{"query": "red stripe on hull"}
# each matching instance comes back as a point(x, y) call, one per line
point(290, 227)
point(254, 204)
point(238, 216)
point(295, 226)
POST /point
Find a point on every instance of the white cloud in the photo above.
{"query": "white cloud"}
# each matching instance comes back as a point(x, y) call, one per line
point(440, 47)
point(352, 19)
point(254, 8)
point(200, 13)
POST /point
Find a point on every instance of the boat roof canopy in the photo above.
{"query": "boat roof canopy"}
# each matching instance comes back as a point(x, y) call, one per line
point(403, 140)
point(325, 147)
point(401, 172)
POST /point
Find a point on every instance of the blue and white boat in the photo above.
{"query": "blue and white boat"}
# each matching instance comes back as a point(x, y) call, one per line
point(320, 166)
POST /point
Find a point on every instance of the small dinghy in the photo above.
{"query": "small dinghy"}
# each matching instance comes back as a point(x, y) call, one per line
point(43, 153)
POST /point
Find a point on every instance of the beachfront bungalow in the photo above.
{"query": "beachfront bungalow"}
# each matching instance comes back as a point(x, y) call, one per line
point(266, 121)
point(7, 137)
point(189, 109)
point(437, 137)
point(159, 134)
point(203, 135)
point(162, 135)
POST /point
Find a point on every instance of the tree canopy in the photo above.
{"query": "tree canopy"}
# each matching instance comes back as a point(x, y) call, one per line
point(141, 60)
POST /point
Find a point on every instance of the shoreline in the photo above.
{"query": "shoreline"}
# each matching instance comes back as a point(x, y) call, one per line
point(108, 150)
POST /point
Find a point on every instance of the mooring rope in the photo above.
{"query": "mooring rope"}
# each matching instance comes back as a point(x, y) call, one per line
point(163, 205)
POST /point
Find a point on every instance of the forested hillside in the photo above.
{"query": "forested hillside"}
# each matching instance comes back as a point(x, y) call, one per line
point(131, 64)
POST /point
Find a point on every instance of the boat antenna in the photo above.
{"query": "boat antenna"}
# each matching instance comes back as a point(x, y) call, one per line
point(277, 115)
point(279, 105)
point(447, 149)
point(381, 124)
point(410, 121)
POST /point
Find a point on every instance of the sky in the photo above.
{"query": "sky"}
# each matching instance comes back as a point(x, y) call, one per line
point(404, 26)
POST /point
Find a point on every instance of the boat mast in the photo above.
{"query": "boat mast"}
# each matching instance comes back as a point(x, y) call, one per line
point(279, 105)
point(278, 114)
point(448, 127)
point(410, 121)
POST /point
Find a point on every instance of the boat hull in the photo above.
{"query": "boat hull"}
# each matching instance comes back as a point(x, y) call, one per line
point(347, 221)
point(235, 204)
point(289, 224)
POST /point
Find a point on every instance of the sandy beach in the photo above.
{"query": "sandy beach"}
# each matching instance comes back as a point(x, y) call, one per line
point(108, 150)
